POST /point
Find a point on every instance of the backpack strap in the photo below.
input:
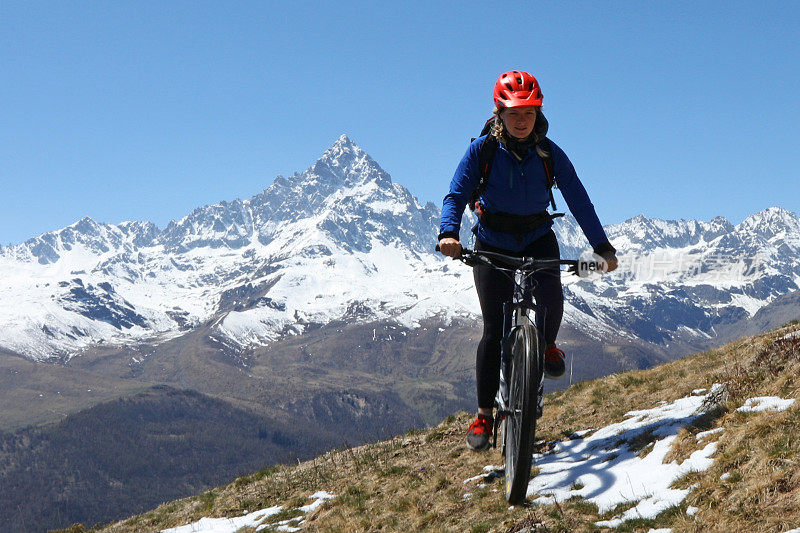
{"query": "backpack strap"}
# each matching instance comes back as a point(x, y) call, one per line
point(549, 171)
point(485, 159)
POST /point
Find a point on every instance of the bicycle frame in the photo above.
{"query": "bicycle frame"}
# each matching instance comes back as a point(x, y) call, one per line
point(518, 312)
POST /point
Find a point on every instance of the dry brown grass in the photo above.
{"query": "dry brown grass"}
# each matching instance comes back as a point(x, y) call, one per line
point(415, 482)
point(759, 453)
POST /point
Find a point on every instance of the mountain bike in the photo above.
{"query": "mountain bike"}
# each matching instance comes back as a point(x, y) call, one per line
point(519, 397)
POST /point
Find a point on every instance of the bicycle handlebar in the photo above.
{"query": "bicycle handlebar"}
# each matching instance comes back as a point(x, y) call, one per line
point(579, 267)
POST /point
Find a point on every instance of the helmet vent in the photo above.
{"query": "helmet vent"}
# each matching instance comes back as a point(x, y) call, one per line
point(517, 89)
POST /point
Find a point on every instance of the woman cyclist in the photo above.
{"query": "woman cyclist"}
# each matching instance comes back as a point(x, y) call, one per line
point(513, 220)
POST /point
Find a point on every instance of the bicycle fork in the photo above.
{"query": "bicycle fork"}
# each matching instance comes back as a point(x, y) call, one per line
point(514, 316)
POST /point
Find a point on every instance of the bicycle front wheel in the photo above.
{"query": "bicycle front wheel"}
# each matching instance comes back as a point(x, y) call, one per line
point(519, 427)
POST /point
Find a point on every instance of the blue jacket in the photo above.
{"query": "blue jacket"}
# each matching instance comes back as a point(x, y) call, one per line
point(519, 188)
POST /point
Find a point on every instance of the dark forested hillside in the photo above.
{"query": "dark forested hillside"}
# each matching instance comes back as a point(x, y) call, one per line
point(131, 454)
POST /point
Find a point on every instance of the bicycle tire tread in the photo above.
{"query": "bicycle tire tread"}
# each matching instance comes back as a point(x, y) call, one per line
point(519, 434)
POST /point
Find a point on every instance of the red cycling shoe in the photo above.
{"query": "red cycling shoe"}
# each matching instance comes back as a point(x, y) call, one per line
point(479, 433)
point(554, 363)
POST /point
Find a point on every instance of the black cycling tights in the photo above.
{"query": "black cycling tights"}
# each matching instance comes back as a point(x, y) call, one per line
point(494, 288)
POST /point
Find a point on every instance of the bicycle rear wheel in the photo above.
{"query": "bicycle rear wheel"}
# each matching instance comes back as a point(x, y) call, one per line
point(519, 427)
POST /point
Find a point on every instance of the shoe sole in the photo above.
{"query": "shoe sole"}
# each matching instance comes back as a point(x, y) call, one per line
point(480, 449)
point(554, 375)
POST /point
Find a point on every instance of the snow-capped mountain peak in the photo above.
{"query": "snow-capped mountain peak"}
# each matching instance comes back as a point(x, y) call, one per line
point(341, 219)
point(84, 235)
point(772, 221)
point(345, 159)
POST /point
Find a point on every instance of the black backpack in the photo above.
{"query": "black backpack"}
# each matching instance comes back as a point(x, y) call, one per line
point(486, 157)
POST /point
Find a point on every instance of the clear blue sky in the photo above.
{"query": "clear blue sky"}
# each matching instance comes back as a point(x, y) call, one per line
point(146, 110)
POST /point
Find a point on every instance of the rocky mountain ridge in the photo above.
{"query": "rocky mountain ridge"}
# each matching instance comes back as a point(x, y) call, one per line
point(341, 241)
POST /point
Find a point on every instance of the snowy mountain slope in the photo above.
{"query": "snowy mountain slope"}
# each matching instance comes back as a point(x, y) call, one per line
point(341, 241)
point(338, 240)
point(691, 276)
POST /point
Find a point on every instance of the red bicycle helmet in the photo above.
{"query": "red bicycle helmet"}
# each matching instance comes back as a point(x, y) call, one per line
point(516, 88)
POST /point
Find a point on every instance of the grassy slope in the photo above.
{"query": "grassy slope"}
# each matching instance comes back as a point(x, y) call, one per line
point(414, 482)
point(35, 393)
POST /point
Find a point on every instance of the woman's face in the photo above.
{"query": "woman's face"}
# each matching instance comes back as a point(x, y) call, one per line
point(519, 121)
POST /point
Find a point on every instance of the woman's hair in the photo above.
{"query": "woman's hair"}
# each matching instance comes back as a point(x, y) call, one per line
point(499, 130)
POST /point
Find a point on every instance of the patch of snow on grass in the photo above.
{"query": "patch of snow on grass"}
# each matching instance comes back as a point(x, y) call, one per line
point(490, 472)
point(319, 498)
point(763, 403)
point(254, 519)
point(226, 525)
point(604, 469)
point(703, 434)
